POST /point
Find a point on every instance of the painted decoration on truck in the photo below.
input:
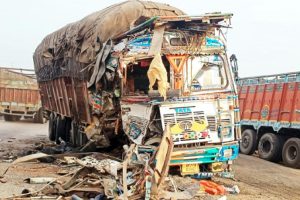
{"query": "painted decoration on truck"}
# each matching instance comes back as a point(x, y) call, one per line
point(212, 42)
point(140, 44)
point(265, 112)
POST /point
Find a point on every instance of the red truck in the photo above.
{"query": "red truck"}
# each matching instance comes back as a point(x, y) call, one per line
point(19, 95)
point(270, 117)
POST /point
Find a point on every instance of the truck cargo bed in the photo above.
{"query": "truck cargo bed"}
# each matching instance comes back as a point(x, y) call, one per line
point(270, 101)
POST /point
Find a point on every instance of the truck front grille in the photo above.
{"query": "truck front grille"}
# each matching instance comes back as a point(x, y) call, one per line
point(212, 123)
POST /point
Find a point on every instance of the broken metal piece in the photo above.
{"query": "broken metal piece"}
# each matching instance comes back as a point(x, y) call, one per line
point(27, 158)
point(39, 180)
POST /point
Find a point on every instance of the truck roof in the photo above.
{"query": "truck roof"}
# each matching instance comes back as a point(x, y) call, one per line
point(75, 45)
point(273, 78)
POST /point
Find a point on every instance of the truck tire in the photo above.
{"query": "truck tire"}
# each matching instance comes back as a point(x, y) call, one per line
point(39, 117)
point(249, 142)
point(60, 129)
point(68, 126)
point(11, 118)
point(270, 146)
point(52, 127)
point(7, 118)
point(74, 133)
point(291, 153)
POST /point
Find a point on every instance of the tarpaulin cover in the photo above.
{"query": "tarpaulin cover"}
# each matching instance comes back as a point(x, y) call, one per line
point(70, 50)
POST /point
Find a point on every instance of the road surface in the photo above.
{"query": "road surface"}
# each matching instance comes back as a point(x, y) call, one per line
point(256, 178)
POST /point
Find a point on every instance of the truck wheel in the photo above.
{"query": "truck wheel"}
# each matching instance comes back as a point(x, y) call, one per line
point(68, 126)
point(249, 142)
point(269, 147)
point(39, 117)
point(60, 129)
point(11, 118)
point(74, 133)
point(81, 139)
point(7, 118)
point(291, 153)
point(52, 127)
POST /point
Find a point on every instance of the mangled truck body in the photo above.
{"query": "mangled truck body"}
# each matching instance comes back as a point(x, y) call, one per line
point(129, 71)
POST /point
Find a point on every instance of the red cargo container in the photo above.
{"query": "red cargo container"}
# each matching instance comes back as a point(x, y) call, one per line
point(270, 117)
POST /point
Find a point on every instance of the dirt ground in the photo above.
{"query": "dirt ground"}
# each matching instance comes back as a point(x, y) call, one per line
point(256, 178)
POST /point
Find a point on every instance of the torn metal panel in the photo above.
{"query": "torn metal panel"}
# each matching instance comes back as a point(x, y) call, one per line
point(135, 119)
point(157, 40)
point(40, 180)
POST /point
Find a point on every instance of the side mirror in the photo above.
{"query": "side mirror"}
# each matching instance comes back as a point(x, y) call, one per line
point(234, 66)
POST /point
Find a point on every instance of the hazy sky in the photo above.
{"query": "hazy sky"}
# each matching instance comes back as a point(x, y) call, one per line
point(265, 34)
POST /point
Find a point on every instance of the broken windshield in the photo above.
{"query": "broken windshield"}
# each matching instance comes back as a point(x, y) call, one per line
point(207, 72)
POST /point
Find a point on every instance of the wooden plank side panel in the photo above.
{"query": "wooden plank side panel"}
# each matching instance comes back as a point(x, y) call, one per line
point(295, 117)
point(249, 102)
point(75, 109)
point(61, 97)
point(276, 101)
point(45, 96)
point(64, 96)
point(56, 96)
point(67, 97)
point(245, 90)
point(284, 101)
point(242, 90)
point(82, 101)
point(257, 103)
point(25, 96)
point(267, 102)
point(71, 97)
point(52, 99)
point(287, 102)
point(1, 94)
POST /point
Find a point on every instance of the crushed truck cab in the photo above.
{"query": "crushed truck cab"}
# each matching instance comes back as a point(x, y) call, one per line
point(188, 86)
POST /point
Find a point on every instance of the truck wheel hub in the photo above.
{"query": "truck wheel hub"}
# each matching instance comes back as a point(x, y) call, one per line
point(292, 153)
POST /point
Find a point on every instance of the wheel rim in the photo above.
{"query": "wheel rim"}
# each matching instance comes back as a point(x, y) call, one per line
point(292, 153)
point(266, 146)
point(245, 141)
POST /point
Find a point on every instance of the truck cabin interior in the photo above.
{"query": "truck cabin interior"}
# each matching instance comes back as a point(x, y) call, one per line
point(137, 81)
point(197, 75)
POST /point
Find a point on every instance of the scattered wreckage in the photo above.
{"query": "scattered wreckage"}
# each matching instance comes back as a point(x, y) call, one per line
point(150, 78)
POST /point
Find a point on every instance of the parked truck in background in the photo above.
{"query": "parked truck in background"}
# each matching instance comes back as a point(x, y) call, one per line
point(19, 95)
point(133, 73)
point(270, 116)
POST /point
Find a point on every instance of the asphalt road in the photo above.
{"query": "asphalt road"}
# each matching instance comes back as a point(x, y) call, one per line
point(256, 178)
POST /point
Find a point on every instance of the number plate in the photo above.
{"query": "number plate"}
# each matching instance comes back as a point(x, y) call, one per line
point(227, 153)
point(190, 169)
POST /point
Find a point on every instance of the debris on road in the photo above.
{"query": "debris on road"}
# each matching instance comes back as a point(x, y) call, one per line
point(39, 180)
point(212, 188)
point(140, 174)
point(2, 179)
point(233, 190)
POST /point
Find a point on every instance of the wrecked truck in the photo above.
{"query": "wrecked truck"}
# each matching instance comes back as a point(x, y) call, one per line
point(125, 73)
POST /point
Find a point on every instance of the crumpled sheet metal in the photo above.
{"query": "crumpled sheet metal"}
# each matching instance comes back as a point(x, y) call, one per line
point(105, 165)
point(72, 48)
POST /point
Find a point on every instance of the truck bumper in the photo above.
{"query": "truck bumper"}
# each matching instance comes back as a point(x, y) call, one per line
point(205, 155)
